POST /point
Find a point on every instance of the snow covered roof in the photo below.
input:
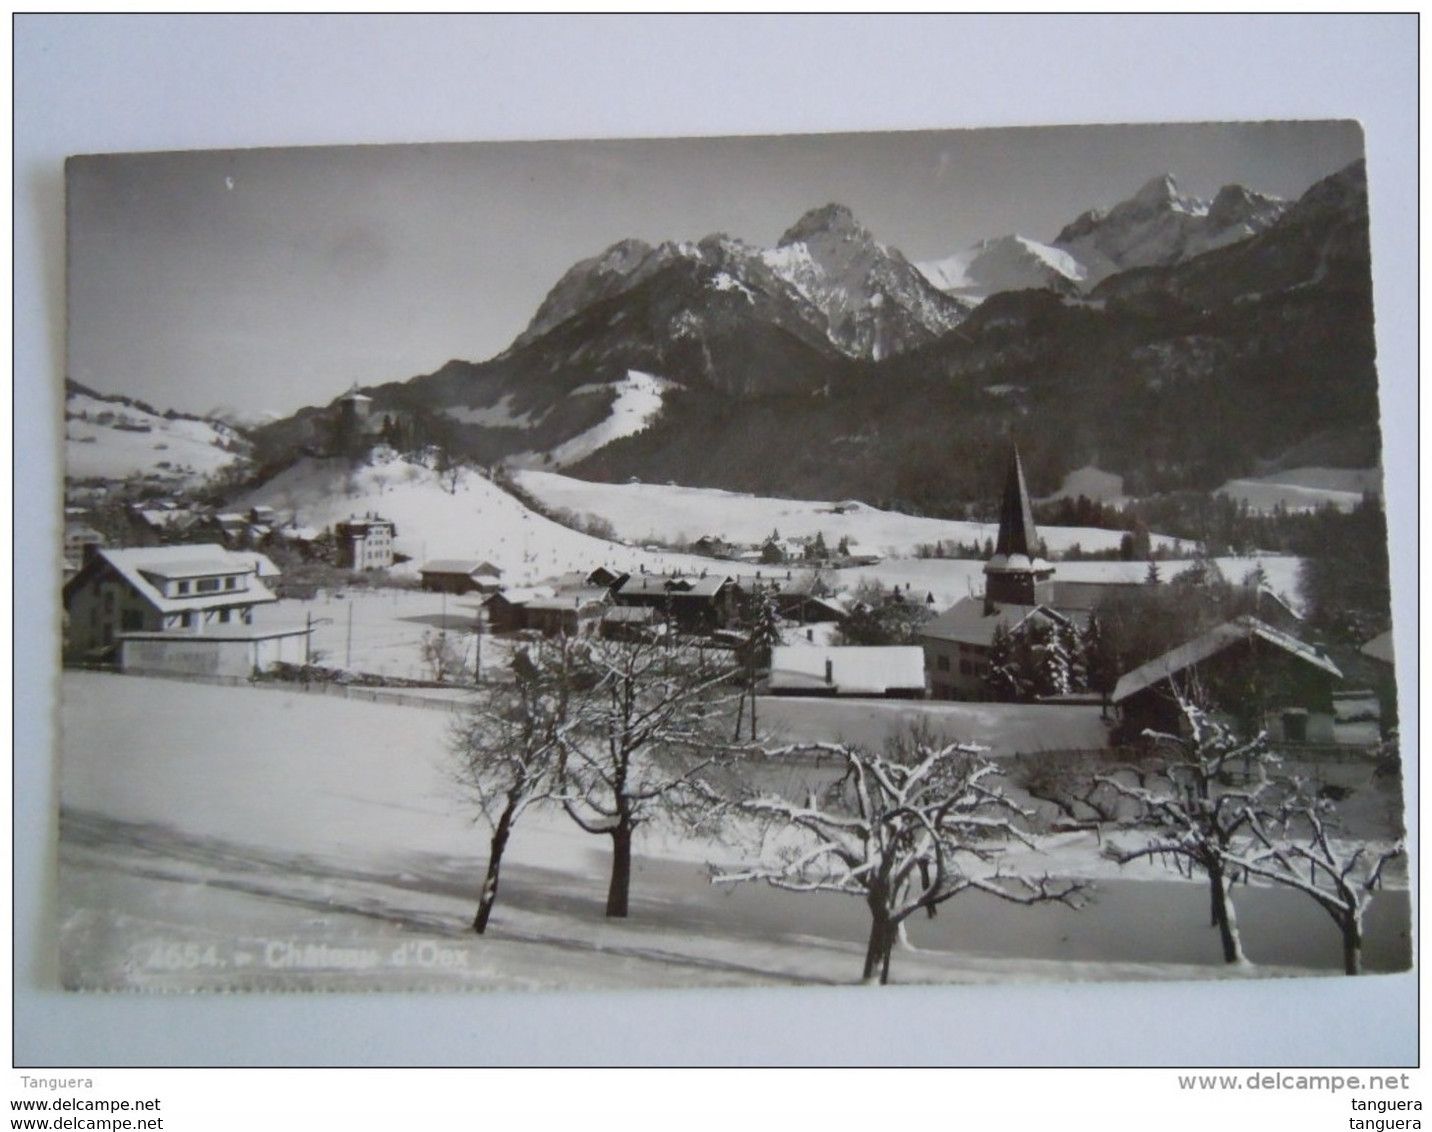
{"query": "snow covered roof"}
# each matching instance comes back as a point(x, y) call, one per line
point(165, 516)
point(137, 565)
point(524, 595)
point(570, 599)
point(973, 621)
point(262, 564)
point(194, 568)
point(230, 632)
point(1217, 639)
point(848, 670)
point(464, 566)
point(629, 615)
point(688, 586)
point(1016, 564)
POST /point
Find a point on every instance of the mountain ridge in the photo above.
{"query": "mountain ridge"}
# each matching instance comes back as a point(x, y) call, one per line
point(818, 366)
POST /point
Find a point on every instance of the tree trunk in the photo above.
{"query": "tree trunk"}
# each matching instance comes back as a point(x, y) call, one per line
point(1352, 947)
point(878, 948)
point(494, 868)
point(620, 888)
point(1224, 917)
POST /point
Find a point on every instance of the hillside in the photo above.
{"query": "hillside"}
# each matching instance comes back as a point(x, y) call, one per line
point(671, 514)
point(116, 438)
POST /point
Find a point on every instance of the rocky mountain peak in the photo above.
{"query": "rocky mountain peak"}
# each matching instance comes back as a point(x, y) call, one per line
point(1236, 205)
point(829, 220)
point(1162, 190)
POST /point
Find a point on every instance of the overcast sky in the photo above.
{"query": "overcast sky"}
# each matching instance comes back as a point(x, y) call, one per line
point(264, 280)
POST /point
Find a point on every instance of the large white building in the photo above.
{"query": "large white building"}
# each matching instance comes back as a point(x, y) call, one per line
point(178, 609)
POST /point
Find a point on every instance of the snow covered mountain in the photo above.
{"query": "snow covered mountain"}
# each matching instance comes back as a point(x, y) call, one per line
point(1160, 226)
point(827, 282)
point(875, 301)
point(1005, 263)
point(830, 367)
point(1157, 227)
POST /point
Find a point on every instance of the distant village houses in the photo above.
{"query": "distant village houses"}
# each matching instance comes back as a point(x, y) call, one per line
point(460, 576)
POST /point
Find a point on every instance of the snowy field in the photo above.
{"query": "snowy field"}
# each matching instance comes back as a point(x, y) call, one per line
point(258, 838)
point(1306, 489)
point(114, 441)
point(476, 519)
point(674, 515)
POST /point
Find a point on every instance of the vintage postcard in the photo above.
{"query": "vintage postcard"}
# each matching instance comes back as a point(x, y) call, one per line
point(929, 557)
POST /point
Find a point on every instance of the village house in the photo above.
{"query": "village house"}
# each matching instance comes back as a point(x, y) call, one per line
point(599, 577)
point(566, 614)
point(460, 576)
point(159, 520)
point(182, 609)
point(1246, 668)
point(693, 603)
point(629, 623)
point(957, 643)
point(365, 543)
point(895, 671)
point(79, 537)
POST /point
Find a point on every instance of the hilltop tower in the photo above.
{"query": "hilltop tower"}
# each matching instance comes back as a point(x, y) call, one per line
point(1016, 575)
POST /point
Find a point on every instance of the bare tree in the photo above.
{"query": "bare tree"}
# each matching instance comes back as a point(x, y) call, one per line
point(507, 750)
point(904, 829)
point(1301, 853)
point(444, 655)
point(642, 733)
point(1199, 800)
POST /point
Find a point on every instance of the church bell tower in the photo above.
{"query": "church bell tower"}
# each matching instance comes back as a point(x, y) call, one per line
point(1016, 575)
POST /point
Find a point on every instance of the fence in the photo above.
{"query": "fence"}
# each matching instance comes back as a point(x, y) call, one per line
point(441, 699)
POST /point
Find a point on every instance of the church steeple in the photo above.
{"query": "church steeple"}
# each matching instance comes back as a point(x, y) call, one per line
point(1013, 575)
point(1016, 517)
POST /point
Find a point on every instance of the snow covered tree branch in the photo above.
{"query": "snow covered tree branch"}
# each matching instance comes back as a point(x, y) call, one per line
point(507, 751)
point(643, 728)
point(1198, 807)
point(1300, 852)
point(904, 829)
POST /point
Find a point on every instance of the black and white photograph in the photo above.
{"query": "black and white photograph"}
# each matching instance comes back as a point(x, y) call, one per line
point(692, 541)
point(916, 557)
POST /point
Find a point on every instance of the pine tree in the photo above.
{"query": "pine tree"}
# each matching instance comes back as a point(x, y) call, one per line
point(1003, 677)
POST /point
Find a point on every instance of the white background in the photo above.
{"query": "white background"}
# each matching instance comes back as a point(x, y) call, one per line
point(104, 84)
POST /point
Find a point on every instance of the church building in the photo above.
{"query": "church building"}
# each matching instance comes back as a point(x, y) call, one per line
point(1019, 590)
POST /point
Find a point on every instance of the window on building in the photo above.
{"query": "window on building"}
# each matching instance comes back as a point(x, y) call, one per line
point(231, 583)
point(224, 616)
point(942, 663)
point(188, 619)
point(182, 588)
point(208, 585)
